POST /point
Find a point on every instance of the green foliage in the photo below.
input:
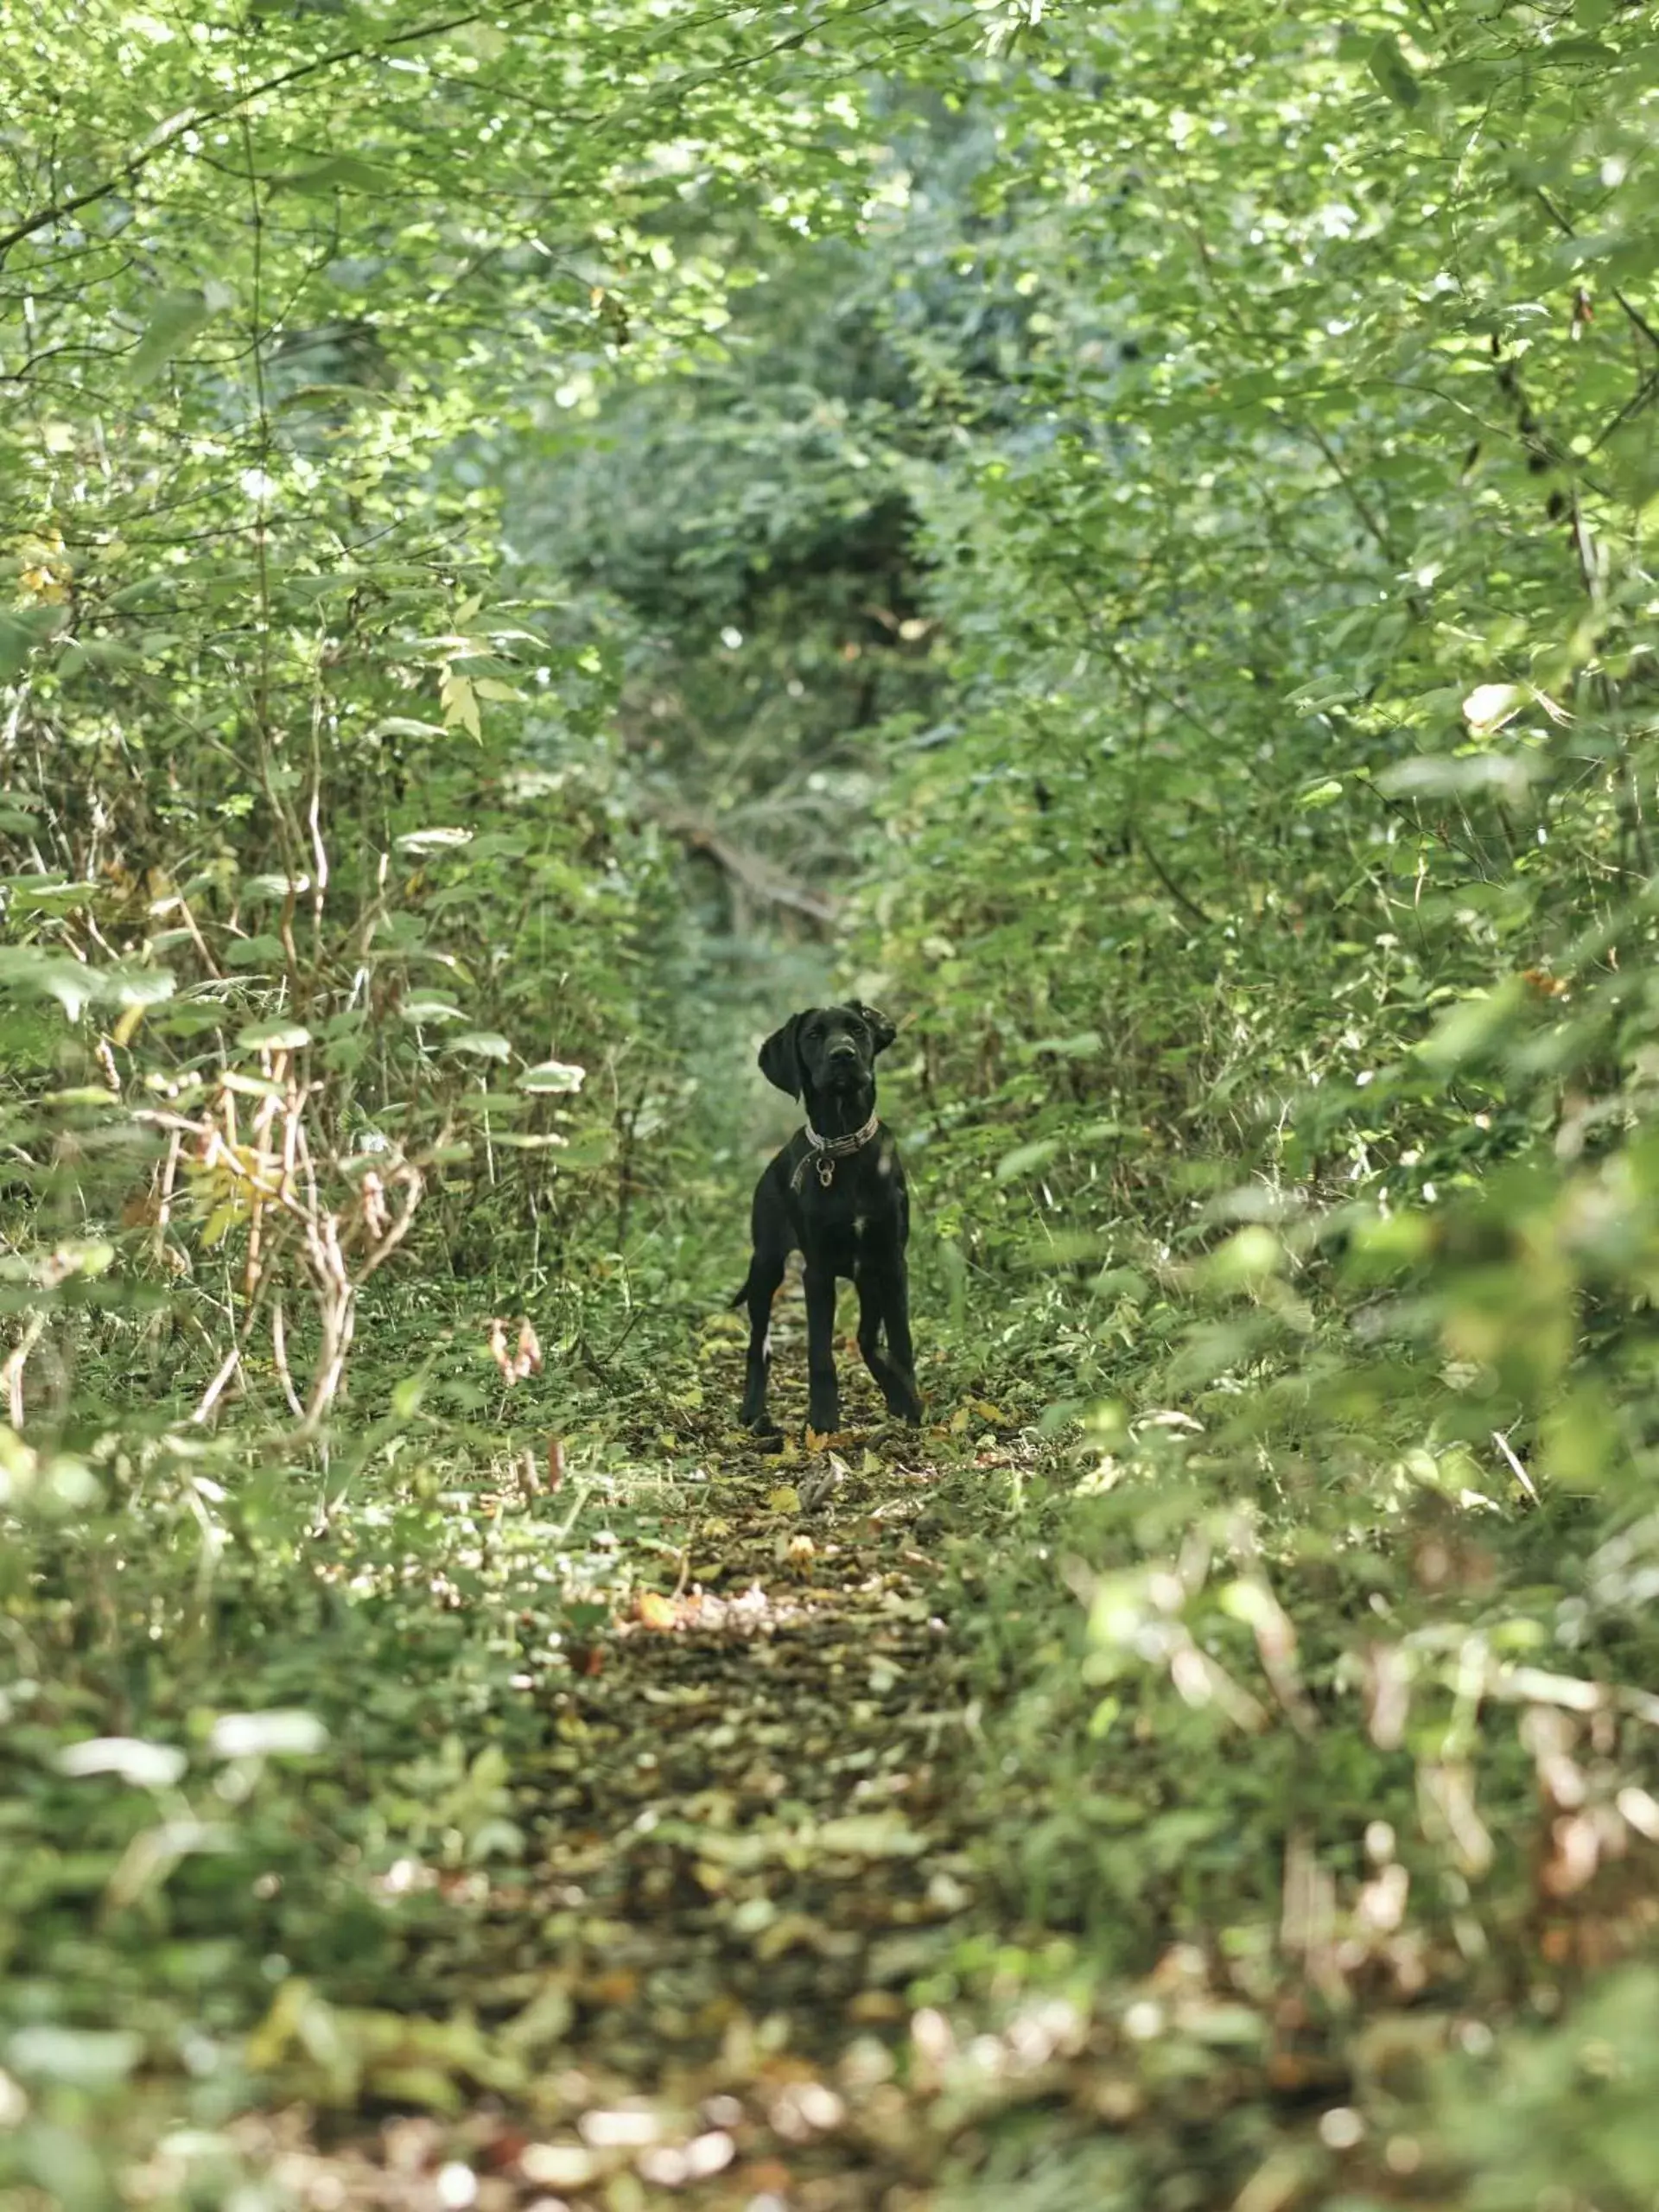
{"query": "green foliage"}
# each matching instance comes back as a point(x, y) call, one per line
point(527, 543)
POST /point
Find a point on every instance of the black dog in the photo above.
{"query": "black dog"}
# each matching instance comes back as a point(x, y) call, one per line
point(835, 1194)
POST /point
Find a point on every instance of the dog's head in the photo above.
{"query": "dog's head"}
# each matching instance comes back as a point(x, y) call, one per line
point(829, 1053)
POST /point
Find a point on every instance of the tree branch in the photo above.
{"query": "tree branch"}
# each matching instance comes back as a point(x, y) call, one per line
point(755, 875)
point(169, 134)
point(1563, 224)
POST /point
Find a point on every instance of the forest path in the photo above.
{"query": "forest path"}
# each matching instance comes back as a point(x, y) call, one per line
point(749, 1858)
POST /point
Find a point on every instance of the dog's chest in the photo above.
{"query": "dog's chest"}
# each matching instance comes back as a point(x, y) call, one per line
point(850, 1219)
point(841, 1245)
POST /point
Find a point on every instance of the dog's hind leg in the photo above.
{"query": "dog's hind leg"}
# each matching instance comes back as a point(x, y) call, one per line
point(765, 1273)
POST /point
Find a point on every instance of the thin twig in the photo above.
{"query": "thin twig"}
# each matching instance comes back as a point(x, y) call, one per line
point(1515, 1467)
point(1192, 906)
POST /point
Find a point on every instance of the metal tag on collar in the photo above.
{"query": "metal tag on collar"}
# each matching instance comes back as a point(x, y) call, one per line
point(826, 1169)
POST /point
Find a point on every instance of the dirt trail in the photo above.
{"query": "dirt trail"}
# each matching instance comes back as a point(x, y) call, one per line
point(750, 1846)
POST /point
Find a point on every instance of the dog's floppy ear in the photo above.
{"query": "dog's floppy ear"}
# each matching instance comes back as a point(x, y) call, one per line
point(780, 1059)
point(882, 1032)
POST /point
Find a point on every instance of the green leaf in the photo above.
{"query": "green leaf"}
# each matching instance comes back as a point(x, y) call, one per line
point(273, 1037)
point(275, 886)
point(1083, 1047)
point(484, 1043)
point(26, 969)
point(402, 726)
point(1489, 706)
point(81, 2058)
point(1325, 793)
point(460, 701)
point(1393, 71)
point(64, 2162)
point(552, 1076)
point(1248, 1256)
point(22, 629)
point(127, 985)
point(282, 1733)
point(1439, 775)
point(339, 173)
point(134, 593)
point(1026, 1158)
point(174, 321)
point(250, 951)
point(82, 653)
point(146, 1766)
point(1471, 1030)
point(49, 894)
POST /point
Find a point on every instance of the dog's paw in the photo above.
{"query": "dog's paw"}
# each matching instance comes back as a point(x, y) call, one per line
point(910, 1411)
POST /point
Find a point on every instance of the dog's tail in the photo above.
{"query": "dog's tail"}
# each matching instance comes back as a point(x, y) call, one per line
point(743, 1290)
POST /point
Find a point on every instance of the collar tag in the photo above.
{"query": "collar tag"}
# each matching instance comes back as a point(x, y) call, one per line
point(823, 1152)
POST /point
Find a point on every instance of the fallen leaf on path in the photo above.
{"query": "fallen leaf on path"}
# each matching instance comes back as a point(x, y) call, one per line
point(558, 2165)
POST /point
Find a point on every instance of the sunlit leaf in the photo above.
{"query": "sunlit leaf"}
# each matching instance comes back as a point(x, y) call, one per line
point(174, 321)
point(273, 1037)
point(145, 1765)
point(1026, 1159)
point(1489, 706)
point(82, 2058)
point(277, 1734)
point(552, 1076)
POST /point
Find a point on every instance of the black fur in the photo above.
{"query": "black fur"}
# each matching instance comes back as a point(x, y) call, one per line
point(855, 1225)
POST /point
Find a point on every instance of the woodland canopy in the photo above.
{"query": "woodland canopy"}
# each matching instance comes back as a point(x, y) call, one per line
point(535, 542)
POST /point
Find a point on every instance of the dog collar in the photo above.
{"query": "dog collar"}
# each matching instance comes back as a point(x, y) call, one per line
point(823, 1152)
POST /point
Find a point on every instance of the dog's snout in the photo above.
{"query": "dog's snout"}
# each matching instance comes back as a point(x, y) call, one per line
point(846, 1049)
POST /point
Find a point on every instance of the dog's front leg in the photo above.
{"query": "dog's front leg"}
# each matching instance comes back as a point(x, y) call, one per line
point(873, 1301)
point(901, 1355)
point(822, 1395)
